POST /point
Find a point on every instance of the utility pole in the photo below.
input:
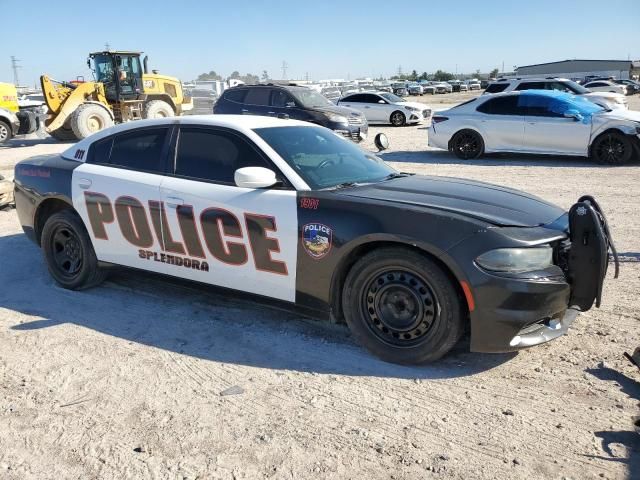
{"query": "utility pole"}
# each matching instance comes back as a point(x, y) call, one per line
point(399, 70)
point(107, 47)
point(503, 68)
point(284, 70)
point(306, 76)
point(15, 67)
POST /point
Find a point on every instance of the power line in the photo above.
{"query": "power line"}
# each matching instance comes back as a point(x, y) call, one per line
point(15, 67)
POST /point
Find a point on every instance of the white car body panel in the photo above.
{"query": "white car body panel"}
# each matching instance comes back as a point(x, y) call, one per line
point(377, 113)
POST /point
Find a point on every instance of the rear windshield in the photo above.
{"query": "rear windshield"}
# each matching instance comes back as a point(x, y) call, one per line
point(496, 87)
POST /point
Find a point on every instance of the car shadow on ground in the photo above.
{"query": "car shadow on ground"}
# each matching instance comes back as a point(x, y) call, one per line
point(628, 438)
point(202, 321)
point(442, 157)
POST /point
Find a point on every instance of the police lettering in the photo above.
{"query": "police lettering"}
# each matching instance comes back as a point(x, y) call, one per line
point(217, 226)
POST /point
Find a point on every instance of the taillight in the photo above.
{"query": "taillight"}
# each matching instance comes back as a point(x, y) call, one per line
point(438, 119)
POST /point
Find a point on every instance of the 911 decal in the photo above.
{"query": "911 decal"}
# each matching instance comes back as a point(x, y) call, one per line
point(218, 226)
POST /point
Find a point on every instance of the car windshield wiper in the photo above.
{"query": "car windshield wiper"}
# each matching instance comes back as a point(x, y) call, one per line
point(342, 185)
point(393, 175)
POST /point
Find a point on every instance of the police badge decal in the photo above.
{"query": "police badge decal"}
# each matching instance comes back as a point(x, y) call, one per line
point(317, 239)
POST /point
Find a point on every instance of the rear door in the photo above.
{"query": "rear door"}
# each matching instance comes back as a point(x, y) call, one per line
point(502, 123)
point(547, 130)
point(114, 190)
point(233, 237)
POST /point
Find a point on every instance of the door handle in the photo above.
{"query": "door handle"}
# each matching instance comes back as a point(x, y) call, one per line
point(174, 201)
point(244, 110)
point(84, 183)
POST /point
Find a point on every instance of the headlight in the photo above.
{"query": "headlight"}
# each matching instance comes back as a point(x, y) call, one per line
point(412, 109)
point(333, 117)
point(516, 260)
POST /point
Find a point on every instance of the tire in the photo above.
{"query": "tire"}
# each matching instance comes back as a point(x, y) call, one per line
point(64, 133)
point(90, 118)
point(157, 109)
point(5, 132)
point(68, 251)
point(402, 306)
point(398, 119)
point(467, 144)
point(612, 148)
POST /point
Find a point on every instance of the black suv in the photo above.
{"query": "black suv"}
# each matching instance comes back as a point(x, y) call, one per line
point(292, 101)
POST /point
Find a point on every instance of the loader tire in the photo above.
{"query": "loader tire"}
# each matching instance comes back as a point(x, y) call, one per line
point(64, 133)
point(90, 118)
point(157, 109)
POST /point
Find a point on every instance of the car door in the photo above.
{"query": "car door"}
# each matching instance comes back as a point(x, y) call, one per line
point(221, 234)
point(113, 192)
point(547, 130)
point(501, 122)
point(357, 102)
point(376, 110)
point(283, 105)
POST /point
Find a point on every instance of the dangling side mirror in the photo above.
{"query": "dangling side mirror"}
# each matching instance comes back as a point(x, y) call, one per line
point(381, 141)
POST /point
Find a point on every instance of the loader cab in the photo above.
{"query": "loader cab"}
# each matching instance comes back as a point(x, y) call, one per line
point(119, 72)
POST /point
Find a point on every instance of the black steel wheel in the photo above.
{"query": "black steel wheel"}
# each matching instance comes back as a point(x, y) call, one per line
point(398, 119)
point(68, 251)
point(402, 306)
point(467, 144)
point(612, 148)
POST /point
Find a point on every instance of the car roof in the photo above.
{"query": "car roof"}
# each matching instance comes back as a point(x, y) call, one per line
point(241, 123)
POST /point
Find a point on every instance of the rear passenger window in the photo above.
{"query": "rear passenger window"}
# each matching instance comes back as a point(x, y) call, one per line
point(502, 106)
point(137, 150)
point(496, 87)
point(257, 96)
point(214, 155)
point(235, 94)
point(531, 86)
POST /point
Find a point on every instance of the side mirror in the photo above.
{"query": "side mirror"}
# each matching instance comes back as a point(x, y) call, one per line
point(576, 115)
point(290, 104)
point(381, 141)
point(88, 63)
point(255, 177)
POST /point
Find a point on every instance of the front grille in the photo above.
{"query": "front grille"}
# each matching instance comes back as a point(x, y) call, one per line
point(355, 120)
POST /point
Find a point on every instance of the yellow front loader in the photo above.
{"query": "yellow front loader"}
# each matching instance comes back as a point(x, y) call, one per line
point(122, 92)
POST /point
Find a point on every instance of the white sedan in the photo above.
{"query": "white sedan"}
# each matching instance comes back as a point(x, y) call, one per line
point(538, 122)
point(606, 86)
point(384, 107)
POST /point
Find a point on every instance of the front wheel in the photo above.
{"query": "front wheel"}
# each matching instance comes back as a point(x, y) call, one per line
point(467, 144)
point(5, 132)
point(398, 119)
point(612, 148)
point(402, 306)
point(68, 251)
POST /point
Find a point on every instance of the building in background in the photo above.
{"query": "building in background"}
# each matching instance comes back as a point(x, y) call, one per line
point(578, 69)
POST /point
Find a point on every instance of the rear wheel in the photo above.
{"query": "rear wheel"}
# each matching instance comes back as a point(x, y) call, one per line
point(5, 132)
point(612, 148)
point(89, 119)
point(398, 119)
point(402, 306)
point(158, 109)
point(68, 251)
point(467, 144)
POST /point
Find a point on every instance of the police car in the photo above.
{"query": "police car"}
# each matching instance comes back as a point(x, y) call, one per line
point(291, 211)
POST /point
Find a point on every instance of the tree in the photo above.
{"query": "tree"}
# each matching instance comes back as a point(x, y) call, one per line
point(249, 78)
point(494, 73)
point(234, 74)
point(212, 75)
point(424, 76)
point(441, 76)
point(265, 76)
point(413, 76)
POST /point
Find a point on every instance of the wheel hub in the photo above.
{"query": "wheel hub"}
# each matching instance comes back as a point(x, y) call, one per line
point(94, 124)
point(400, 307)
point(67, 251)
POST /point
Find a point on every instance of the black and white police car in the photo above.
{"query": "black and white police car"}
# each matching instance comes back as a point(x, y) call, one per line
point(291, 211)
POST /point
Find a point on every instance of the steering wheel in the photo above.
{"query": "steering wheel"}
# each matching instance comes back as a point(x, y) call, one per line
point(326, 163)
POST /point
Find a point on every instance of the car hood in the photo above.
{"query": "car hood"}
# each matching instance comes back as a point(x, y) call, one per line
point(622, 115)
point(607, 95)
point(491, 203)
point(418, 105)
point(339, 110)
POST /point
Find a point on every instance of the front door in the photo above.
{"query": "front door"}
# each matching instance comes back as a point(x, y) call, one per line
point(114, 190)
point(218, 233)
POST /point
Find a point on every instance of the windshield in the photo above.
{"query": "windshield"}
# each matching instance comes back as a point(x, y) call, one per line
point(392, 98)
point(324, 159)
point(576, 87)
point(104, 70)
point(310, 98)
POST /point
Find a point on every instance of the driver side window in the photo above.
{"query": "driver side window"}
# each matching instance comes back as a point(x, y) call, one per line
point(280, 99)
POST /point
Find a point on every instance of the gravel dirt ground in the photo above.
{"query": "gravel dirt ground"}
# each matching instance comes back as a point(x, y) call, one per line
point(144, 377)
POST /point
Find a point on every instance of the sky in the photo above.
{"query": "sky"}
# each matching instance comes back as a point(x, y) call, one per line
point(322, 39)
